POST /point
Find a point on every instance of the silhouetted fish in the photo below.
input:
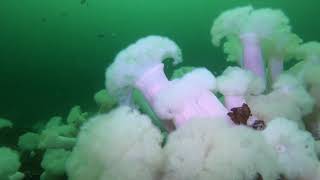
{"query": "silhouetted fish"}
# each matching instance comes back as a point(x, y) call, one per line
point(101, 35)
point(259, 177)
point(64, 14)
point(83, 2)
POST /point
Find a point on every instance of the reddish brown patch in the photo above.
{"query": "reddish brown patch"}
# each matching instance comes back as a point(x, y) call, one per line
point(240, 115)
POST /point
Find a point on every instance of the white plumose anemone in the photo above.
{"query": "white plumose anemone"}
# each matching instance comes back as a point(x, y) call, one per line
point(295, 149)
point(205, 149)
point(120, 145)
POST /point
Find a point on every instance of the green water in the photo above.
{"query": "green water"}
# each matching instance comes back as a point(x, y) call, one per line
point(54, 53)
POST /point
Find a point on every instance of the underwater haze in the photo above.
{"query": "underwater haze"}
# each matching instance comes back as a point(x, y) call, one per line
point(251, 113)
point(54, 53)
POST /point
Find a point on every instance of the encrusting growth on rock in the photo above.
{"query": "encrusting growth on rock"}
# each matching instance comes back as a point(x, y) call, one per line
point(241, 115)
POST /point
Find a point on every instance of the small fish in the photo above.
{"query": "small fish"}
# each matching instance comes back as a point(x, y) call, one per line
point(83, 2)
point(101, 35)
point(64, 14)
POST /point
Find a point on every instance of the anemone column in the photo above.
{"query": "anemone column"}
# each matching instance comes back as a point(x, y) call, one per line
point(151, 82)
point(140, 66)
point(275, 68)
point(203, 104)
point(252, 55)
point(206, 105)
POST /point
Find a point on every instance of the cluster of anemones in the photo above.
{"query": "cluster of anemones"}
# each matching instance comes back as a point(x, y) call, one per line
point(214, 137)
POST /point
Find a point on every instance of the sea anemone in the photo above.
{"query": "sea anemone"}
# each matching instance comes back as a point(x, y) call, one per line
point(295, 149)
point(54, 162)
point(245, 29)
point(190, 97)
point(293, 89)
point(278, 48)
point(177, 100)
point(9, 164)
point(104, 100)
point(236, 84)
point(120, 145)
point(5, 123)
point(29, 141)
point(56, 134)
point(133, 65)
point(210, 149)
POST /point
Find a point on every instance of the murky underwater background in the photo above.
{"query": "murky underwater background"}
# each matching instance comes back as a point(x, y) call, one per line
point(53, 54)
